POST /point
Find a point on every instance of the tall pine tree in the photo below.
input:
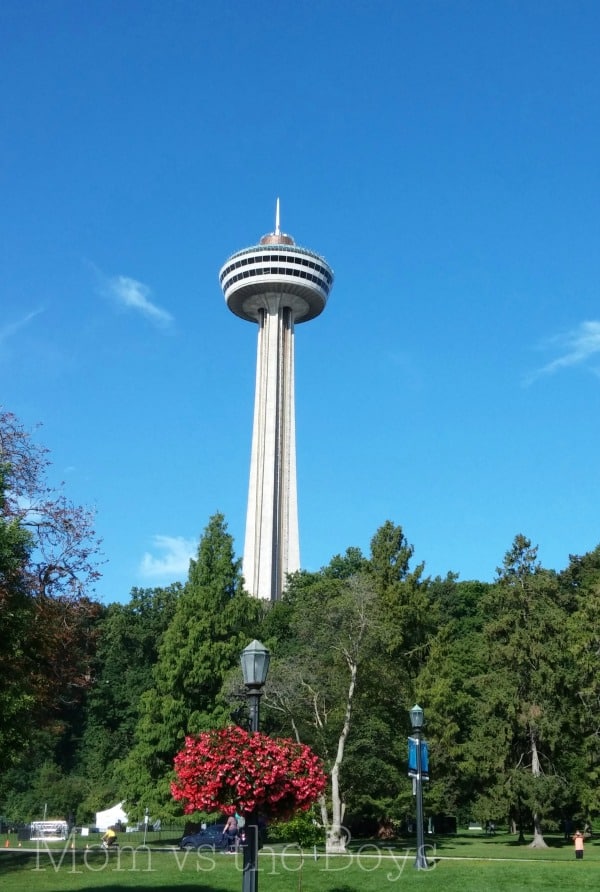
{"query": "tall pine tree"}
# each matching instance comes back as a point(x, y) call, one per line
point(213, 620)
point(524, 712)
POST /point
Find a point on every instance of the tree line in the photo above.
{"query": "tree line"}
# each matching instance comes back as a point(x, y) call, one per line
point(97, 699)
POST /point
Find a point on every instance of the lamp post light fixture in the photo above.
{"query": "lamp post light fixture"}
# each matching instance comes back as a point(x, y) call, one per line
point(417, 720)
point(255, 666)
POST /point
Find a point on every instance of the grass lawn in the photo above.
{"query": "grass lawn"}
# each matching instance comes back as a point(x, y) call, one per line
point(459, 864)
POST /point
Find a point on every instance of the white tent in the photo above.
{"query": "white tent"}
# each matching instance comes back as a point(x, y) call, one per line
point(109, 817)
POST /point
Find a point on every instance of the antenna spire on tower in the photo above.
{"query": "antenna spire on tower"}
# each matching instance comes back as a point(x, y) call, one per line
point(277, 237)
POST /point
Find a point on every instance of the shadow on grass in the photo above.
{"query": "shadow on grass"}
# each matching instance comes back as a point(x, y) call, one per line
point(464, 840)
point(188, 887)
point(552, 842)
point(343, 889)
point(509, 841)
point(14, 860)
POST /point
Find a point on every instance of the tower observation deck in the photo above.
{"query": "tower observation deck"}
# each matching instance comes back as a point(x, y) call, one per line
point(275, 284)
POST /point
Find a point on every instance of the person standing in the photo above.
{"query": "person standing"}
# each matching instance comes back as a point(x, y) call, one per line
point(230, 832)
point(578, 840)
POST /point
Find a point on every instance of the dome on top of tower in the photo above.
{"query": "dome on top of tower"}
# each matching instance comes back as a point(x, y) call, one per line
point(277, 237)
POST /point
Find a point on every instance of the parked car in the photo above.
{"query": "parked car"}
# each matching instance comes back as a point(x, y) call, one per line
point(210, 837)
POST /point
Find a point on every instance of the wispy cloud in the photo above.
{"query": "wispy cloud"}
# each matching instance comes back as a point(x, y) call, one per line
point(135, 296)
point(174, 560)
point(576, 347)
point(12, 328)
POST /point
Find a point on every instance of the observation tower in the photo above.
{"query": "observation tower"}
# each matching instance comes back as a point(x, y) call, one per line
point(275, 284)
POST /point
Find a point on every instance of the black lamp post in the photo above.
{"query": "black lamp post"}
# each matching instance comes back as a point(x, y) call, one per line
point(255, 666)
point(417, 720)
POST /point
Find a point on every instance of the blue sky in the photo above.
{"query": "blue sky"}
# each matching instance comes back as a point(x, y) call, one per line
point(442, 156)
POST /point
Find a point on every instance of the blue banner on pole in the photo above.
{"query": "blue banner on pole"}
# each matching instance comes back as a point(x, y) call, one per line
point(412, 758)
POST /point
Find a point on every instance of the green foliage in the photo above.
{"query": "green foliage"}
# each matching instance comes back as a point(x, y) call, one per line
point(303, 829)
point(349, 646)
point(525, 714)
point(129, 639)
point(97, 700)
point(373, 772)
point(328, 629)
point(213, 619)
point(580, 583)
point(46, 790)
point(390, 556)
point(48, 554)
point(17, 694)
point(344, 566)
point(407, 616)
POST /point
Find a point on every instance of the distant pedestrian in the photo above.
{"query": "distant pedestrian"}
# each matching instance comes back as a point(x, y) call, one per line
point(578, 840)
point(230, 834)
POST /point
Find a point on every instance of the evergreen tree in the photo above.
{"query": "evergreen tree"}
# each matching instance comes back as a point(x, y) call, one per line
point(580, 583)
point(129, 637)
point(212, 622)
point(528, 669)
point(451, 685)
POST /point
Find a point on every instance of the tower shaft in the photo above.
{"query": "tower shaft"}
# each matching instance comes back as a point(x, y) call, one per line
point(272, 544)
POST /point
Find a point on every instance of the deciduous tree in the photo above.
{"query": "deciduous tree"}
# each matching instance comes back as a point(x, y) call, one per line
point(49, 551)
point(355, 643)
point(314, 686)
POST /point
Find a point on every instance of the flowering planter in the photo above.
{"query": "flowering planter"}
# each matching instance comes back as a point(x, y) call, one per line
point(232, 770)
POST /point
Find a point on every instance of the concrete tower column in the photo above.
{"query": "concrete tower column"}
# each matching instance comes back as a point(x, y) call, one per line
point(272, 543)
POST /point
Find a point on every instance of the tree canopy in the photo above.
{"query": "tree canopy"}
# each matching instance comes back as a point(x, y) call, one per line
point(49, 557)
point(97, 699)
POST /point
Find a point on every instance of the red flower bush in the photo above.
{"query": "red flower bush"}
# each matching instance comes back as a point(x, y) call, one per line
point(234, 770)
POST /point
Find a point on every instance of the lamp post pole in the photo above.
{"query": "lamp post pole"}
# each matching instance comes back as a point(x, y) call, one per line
point(255, 665)
point(417, 721)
